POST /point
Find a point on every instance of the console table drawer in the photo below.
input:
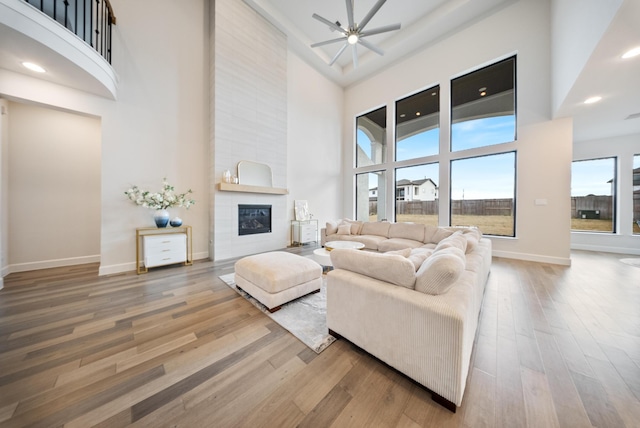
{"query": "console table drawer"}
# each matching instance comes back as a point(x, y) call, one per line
point(164, 249)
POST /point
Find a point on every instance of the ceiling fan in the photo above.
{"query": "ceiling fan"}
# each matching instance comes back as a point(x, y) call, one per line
point(354, 33)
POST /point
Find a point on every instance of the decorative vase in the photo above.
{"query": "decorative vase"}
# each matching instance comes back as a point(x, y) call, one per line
point(176, 222)
point(161, 217)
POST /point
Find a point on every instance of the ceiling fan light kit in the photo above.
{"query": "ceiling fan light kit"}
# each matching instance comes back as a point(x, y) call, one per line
point(354, 34)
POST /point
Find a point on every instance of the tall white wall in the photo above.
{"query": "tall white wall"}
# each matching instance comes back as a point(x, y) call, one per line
point(623, 241)
point(543, 146)
point(315, 111)
point(54, 188)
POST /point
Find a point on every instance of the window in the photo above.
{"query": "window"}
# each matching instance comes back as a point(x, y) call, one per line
point(417, 125)
point(593, 184)
point(483, 193)
point(417, 194)
point(370, 194)
point(371, 134)
point(636, 195)
point(483, 107)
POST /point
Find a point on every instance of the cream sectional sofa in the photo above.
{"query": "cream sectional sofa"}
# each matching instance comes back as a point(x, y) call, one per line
point(415, 308)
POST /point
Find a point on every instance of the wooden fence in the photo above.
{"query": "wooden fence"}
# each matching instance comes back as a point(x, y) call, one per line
point(581, 206)
point(592, 207)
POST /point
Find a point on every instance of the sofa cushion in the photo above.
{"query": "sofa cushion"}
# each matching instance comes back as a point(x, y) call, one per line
point(404, 252)
point(355, 225)
point(440, 234)
point(391, 268)
point(419, 255)
point(393, 244)
point(440, 271)
point(413, 231)
point(370, 242)
point(429, 234)
point(379, 228)
point(456, 240)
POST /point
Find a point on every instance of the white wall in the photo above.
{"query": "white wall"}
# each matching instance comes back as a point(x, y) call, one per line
point(623, 241)
point(54, 188)
point(4, 189)
point(157, 127)
point(543, 146)
point(315, 111)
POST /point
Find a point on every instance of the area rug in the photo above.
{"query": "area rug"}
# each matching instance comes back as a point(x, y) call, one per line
point(305, 318)
point(631, 262)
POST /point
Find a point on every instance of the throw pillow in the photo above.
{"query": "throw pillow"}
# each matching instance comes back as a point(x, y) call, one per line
point(455, 240)
point(344, 229)
point(439, 272)
point(332, 227)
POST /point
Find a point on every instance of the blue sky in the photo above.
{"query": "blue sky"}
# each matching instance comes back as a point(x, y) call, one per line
point(591, 177)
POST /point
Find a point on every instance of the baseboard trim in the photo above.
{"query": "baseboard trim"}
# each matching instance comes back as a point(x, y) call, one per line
point(47, 264)
point(533, 258)
point(606, 249)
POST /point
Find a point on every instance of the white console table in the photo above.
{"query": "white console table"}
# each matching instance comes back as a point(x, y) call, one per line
point(163, 246)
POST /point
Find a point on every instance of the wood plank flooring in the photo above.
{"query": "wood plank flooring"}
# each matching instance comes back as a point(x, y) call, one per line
point(556, 347)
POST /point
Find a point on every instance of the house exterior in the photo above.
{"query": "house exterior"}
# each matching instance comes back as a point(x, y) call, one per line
point(192, 101)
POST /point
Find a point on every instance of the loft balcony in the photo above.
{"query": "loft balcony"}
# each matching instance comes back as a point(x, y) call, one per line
point(70, 39)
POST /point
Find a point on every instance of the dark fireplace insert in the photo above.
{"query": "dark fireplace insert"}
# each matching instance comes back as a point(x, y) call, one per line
point(254, 219)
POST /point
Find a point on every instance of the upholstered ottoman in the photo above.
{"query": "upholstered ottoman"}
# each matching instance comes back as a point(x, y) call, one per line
point(277, 277)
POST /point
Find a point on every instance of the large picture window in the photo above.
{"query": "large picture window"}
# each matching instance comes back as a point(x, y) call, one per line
point(483, 109)
point(417, 125)
point(417, 194)
point(371, 138)
point(636, 195)
point(593, 184)
point(370, 196)
point(483, 193)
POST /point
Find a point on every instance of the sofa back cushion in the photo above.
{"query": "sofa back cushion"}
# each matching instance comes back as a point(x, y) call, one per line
point(456, 240)
point(378, 228)
point(414, 231)
point(440, 271)
point(355, 225)
point(392, 268)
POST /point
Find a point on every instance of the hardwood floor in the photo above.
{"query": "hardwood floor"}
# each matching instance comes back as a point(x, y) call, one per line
point(557, 347)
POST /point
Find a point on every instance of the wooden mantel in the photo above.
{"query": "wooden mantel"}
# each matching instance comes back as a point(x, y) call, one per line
point(230, 187)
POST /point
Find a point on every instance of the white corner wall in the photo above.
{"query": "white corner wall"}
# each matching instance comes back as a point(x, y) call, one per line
point(54, 188)
point(314, 135)
point(157, 128)
point(623, 241)
point(544, 147)
point(4, 189)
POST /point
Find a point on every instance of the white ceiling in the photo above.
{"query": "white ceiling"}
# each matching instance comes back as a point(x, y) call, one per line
point(424, 22)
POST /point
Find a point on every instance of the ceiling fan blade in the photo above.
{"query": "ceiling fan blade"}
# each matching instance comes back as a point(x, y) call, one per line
point(371, 46)
point(372, 12)
point(331, 25)
point(350, 12)
point(354, 54)
point(339, 53)
point(327, 42)
point(379, 30)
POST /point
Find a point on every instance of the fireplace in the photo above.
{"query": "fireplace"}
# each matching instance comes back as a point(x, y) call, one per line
point(254, 219)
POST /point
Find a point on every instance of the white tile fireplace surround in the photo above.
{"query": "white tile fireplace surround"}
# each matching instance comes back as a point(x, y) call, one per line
point(228, 243)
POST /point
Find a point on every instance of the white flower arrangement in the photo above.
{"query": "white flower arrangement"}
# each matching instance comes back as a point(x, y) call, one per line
point(162, 200)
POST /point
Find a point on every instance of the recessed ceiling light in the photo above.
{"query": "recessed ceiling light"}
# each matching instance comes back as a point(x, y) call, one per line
point(592, 100)
point(483, 91)
point(402, 115)
point(33, 67)
point(417, 113)
point(633, 52)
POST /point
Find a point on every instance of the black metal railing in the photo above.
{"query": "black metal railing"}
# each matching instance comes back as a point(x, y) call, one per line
point(91, 20)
